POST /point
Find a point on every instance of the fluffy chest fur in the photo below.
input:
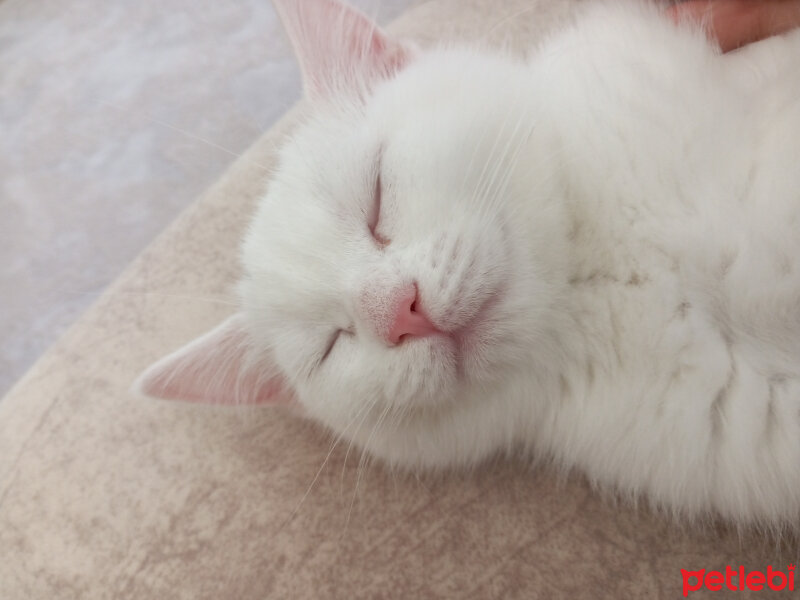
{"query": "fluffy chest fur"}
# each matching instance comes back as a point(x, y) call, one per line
point(683, 280)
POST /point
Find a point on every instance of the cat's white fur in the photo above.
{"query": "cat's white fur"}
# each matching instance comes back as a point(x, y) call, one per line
point(610, 228)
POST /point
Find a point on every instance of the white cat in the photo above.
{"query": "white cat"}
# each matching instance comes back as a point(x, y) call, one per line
point(591, 256)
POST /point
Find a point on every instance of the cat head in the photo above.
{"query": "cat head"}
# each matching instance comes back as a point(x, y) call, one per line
point(395, 280)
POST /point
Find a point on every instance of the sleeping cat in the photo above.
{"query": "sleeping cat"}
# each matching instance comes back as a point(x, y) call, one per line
point(592, 255)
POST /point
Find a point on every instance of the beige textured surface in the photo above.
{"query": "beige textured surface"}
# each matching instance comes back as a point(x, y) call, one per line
point(106, 496)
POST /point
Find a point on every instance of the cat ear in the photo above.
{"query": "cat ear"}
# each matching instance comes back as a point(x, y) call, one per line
point(339, 48)
point(218, 367)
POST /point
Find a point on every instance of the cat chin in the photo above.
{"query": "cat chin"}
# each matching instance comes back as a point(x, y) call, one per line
point(430, 438)
point(446, 427)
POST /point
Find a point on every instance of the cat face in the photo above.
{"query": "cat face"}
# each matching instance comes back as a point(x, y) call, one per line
point(389, 270)
point(381, 258)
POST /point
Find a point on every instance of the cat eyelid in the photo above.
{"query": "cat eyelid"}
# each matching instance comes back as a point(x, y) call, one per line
point(375, 208)
point(332, 342)
point(375, 214)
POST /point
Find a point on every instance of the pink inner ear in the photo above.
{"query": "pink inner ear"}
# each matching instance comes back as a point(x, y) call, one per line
point(218, 367)
point(339, 48)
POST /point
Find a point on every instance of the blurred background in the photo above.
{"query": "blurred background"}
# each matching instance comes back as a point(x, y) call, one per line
point(114, 116)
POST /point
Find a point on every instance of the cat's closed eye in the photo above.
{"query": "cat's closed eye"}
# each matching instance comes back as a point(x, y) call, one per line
point(375, 215)
point(332, 342)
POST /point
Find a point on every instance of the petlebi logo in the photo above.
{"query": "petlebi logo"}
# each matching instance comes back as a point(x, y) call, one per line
point(738, 580)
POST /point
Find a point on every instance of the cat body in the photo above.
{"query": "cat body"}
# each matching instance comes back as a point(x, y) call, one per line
point(591, 256)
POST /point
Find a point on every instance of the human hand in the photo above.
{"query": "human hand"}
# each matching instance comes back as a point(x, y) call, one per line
point(734, 23)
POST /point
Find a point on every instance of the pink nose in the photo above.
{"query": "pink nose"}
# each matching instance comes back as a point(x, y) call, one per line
point(408, 320)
